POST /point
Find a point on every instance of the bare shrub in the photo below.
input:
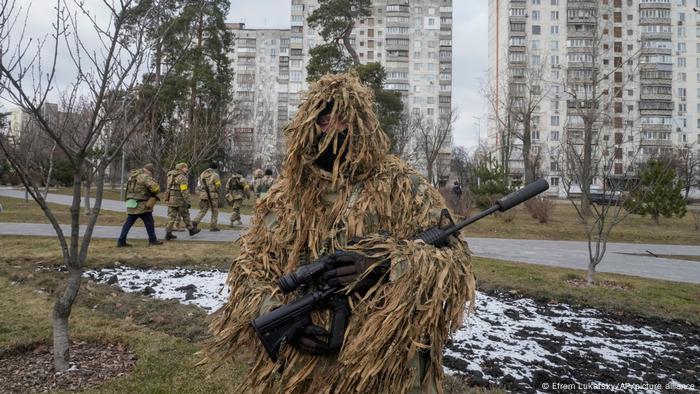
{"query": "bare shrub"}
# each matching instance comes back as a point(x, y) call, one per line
point(509, 215)
point(696, 218)
point(540, 208)
point(459, 204)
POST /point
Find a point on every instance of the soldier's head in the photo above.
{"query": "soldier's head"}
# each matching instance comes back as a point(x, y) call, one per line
point(214, 165)
point(268, 172)
point(182, 167)
point(150, 169)
point(335, 135)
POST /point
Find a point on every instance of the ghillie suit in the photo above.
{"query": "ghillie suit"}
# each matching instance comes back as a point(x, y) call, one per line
point(396, 333)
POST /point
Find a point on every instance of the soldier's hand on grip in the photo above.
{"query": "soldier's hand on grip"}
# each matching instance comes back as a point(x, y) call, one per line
point(351, 266)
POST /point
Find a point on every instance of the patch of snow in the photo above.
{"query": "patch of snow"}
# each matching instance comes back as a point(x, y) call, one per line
point(209, 294)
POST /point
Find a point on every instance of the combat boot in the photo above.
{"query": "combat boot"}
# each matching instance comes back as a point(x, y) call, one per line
point(214, 229)
point(155, 243)
point(237, 223)
point(169, 236)
point(194, 230)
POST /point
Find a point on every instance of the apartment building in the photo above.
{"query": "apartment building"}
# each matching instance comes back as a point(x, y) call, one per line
point(641, 59)
point(260, 60)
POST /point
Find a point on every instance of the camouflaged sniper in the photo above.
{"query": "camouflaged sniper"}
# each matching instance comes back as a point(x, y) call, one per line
point(396, 333)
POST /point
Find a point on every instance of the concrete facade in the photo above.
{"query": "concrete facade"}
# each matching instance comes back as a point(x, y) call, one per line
point(413, 43)
point(647, 53)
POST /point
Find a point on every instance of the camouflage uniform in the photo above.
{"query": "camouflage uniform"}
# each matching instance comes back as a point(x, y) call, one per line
point(178, 200)
point(261, 183)
point(236, 187)
point(209, 180)
point(141, 196)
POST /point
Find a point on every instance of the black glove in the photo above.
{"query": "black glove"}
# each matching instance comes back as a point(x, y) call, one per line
point(189, 206)
point(307, 340)
point(349, 267)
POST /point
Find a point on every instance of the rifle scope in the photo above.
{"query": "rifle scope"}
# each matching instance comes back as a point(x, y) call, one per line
point(304, 274)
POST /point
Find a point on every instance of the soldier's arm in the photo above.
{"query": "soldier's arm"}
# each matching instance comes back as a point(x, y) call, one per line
point(184, 189)
point(153, 186)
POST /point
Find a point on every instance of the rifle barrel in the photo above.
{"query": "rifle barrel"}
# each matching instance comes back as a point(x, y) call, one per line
point(504, 204)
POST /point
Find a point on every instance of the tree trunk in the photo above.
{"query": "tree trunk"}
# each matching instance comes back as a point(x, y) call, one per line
point(50, 172)
point(348, 45)
point(590, 275)
point(527, 149)
point(61, 313)
point(586, 170)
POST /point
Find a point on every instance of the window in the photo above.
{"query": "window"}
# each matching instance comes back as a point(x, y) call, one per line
point(555, 29)
point(554, 120)
point(536, 29)
point(295, 76)
point(554, 135)
point(554, 181)
point(554, 45)
point(554, 15)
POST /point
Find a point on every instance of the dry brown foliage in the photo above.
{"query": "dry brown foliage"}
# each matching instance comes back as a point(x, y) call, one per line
point(540, 208)
point(459, 205)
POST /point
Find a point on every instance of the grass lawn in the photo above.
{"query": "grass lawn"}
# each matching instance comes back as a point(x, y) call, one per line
point(165, 335)
point(20, 211)
point(565, 225)
point(248, 207)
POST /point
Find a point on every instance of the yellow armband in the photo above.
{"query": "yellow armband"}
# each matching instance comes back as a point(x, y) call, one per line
point(217, 184)
point(183, 187)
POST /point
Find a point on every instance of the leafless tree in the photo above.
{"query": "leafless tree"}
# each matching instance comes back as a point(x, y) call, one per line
point(462, 165)
point(404, 136)
point(99, 89)
point(687, 161)
point(501, 104)
point(591, 89)
point(431, 138)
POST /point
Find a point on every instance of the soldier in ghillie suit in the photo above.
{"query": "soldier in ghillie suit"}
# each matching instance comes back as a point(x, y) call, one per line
point(141, 197)
point(209, 185)
point(177, 197)
point(236, 188)
point(337, 183)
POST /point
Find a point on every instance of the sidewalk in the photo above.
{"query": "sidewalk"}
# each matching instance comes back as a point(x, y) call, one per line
point(118, 206)
point(565, 254)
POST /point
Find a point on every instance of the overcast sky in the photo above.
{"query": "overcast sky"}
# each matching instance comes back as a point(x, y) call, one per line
point(469, 46)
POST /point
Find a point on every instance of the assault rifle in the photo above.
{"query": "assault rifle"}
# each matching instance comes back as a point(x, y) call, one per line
point(283, 323)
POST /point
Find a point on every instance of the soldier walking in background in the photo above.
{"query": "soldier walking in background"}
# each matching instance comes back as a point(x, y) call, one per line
point(236, 188)
point(209, 185)
point(177, 197)
point(262, 182)
point(141, 196)
point(257, 181)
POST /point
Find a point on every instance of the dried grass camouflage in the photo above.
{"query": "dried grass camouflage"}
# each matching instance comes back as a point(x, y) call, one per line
point(309, 212)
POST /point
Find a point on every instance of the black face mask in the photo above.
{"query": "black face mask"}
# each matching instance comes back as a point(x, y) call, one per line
point(326, 159)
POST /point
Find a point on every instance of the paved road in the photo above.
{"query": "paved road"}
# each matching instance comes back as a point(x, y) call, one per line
point(118, 206)
point(567, 254)
point(617, 259)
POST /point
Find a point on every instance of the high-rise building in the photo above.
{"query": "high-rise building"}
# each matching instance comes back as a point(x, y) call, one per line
point(413, 42)
point(637, 61)
point(260, 60)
